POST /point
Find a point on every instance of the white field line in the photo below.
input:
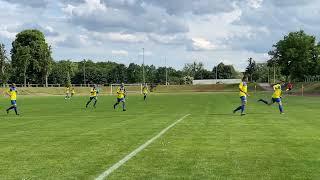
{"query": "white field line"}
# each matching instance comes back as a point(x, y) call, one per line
point(106, 173)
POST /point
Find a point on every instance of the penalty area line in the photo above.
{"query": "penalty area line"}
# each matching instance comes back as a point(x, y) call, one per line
point(114, 167)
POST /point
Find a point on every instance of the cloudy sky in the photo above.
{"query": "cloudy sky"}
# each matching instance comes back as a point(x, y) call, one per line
point(181, 31)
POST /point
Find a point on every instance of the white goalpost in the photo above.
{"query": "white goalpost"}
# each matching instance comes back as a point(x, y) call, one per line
point(130, 88)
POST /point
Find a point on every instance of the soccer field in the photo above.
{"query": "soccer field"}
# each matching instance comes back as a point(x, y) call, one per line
point(58, 139)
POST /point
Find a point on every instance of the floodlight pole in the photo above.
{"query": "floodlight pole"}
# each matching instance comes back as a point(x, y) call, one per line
point(144, 80)
point(165, 61)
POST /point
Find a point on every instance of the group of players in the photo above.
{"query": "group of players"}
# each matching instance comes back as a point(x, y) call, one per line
point(276, 96)
point(121, 95)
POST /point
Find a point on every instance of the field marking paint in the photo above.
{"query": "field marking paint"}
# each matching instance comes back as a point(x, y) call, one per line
point(106, 173)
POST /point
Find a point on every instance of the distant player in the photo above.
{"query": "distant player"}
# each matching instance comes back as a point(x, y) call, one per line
point(276, 97)
point(121, 97)
point(12, 93)
point(289, 87)
point(67, 93)
point(93, 96)
point(72, 92)
point(145, 91)
point(243, 88)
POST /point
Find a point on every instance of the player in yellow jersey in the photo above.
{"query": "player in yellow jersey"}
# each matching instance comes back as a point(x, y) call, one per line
point(276, 97)
point(145, 91)
point(12, 93)
point(93, 96)
point(73, 92)
point(67, 93)
point(243, 88)
point(121, 97)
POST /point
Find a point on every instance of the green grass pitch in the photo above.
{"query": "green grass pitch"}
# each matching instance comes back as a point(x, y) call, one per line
point(58, 139)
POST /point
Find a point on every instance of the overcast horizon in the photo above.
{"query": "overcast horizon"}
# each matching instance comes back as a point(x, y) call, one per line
point(182, 31)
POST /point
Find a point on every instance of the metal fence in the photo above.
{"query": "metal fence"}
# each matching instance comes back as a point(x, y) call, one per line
point(312, 78)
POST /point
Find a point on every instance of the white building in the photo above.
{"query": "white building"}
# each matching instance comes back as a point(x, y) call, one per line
point(216, 81)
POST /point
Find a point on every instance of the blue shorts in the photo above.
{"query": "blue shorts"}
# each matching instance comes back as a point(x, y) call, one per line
point(243, 98)
point(278, 100)
point(120, 100)
point(14, 102)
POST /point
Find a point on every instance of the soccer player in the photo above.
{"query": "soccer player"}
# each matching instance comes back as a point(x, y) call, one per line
point(72, 92)
point(276, 97)
point(145, 91)
point(289, 87)
point(243, 88)
point(93, 96)
point(12, 93)
point(67, 93)
point(121, 95)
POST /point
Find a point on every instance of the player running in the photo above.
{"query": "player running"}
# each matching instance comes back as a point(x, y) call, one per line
point(276, 97)
point(12, 93)
point(93, 96)
point(67, 93)
point(243, 88)
point(145, 91)
point(289, 87)
point(73, 92)
point(121, 95)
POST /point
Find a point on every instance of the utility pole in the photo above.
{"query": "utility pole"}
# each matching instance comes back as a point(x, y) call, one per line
point(274, 73)
point(268, 74)
point(165, 61)
point(144, 80)
point(217, 72)
point(84, 72)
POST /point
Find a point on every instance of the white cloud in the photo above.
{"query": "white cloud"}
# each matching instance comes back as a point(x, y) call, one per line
point(176, 39)
point(7, 34)
point(201, 44)
point(127, 38)
point(255, 3)
point(146, 53)
point(120, 52)
point(74, 41)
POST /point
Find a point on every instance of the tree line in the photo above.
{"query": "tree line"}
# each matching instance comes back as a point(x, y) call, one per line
point(31, 62)
point(294, 58)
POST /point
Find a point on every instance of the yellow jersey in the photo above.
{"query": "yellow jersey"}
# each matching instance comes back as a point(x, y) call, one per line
point(13, 94)
point(277, 91)
point(121, 92)
point(243, 87)
point(67, 90)
point(73, 91)
point(145, 90)
point(93, 92)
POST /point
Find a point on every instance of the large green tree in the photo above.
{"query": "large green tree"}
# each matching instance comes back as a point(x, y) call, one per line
point(251, 68)
point(223, 71)
point(196, 70)
point(297, 55)
point(31, 57)
point(4, 65)
point(63, 72)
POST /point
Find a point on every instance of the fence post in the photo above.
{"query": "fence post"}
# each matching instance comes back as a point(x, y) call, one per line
point(302, 90)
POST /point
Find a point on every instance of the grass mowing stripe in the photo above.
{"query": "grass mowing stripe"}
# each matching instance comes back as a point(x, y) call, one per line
point(106, 173)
